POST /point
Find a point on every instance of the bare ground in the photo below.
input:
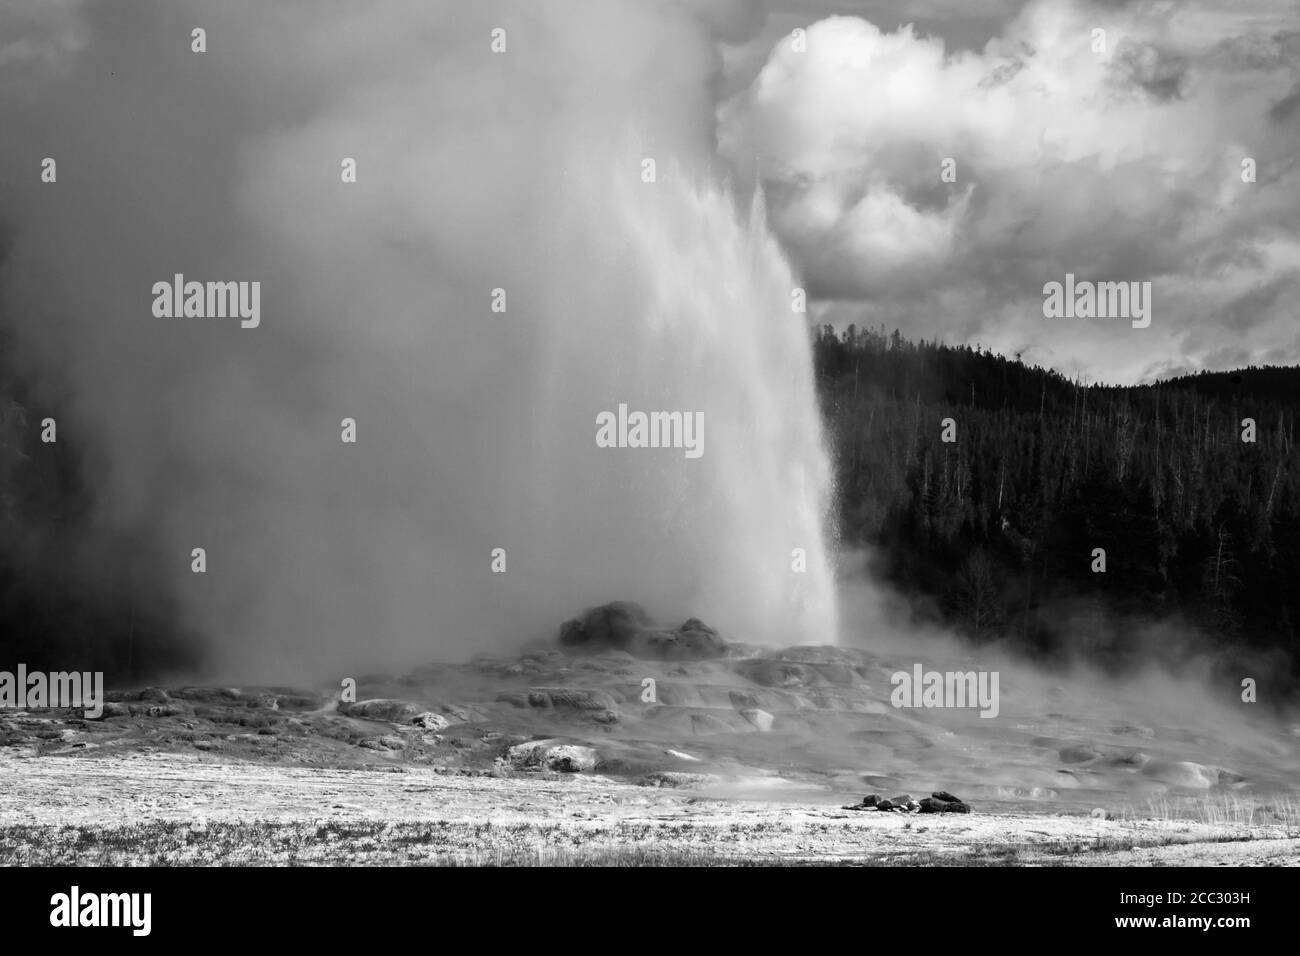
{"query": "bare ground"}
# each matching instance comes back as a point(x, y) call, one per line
point(749, 759)
point(167, 808)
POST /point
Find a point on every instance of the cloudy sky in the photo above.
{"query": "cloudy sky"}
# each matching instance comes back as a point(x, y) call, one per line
point(1121, 165)
point(1117, 165)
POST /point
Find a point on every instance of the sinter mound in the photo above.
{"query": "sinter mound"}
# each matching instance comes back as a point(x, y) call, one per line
point(625, 626)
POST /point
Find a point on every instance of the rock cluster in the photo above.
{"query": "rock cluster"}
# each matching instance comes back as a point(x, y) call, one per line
point(596, 705)
point(941, 801)
point(551, 755)
point(381, 709)
point(625, 626)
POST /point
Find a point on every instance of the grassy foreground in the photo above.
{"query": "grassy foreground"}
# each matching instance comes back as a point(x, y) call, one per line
point(445, 843)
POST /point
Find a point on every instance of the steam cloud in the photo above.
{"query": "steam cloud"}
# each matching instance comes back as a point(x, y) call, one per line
point(475, 172)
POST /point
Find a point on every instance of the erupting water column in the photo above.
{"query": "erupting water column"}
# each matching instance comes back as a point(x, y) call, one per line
point(687, 306)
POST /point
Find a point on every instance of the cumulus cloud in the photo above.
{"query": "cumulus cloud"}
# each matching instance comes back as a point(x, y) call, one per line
point(1119, 164)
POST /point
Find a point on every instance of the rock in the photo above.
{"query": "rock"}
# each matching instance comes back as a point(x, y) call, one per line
point(611, 625)
point(870, 800)
point(625, 626)
point(759, 718)
point(693, 641)
point(571, 698)
point(935, 805)
point(1080, 753)
point(208, 695)
point(901, 801)
point(551, 755)
point(571, 759)
point(594, 705)
point(393, 711)
point(884, 805)
point(431, 721)
point(945, 796)
point(155, 694)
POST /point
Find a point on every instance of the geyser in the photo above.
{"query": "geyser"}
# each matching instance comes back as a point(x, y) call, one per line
point(688, 307)
point(496, 274)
